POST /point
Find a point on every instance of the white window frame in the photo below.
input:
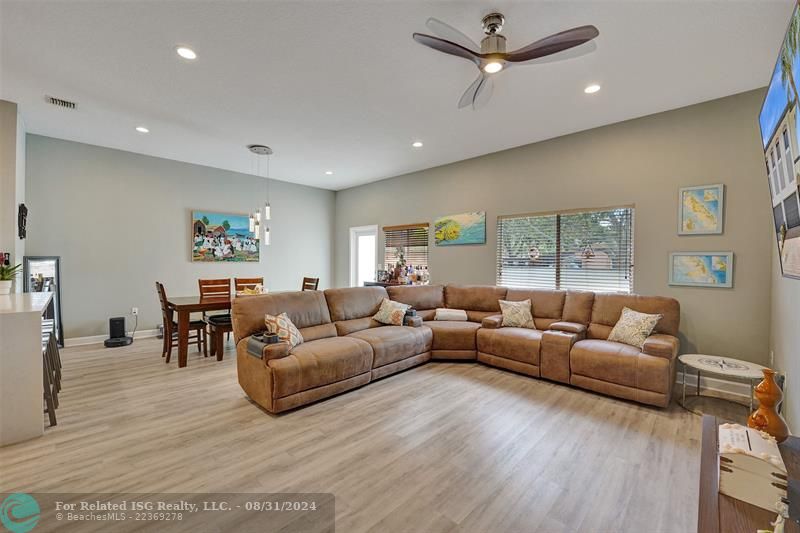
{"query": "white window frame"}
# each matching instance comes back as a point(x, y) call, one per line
point(355, 232)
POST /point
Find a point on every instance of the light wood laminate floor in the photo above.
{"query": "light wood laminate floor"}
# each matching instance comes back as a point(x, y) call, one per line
point(445, 447)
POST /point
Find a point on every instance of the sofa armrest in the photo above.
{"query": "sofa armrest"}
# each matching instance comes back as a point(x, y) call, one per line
point(413, 321)
point(275, 351)
point(661, 345)
point(554, 354)
point(492, 322)
point(569, 327)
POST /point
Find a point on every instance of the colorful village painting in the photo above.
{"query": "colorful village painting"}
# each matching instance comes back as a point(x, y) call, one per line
point(223, 237)
point(779, 134)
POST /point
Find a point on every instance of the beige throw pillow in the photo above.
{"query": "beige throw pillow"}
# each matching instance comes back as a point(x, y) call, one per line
point(517, 314)
point(284, 328)
point(391, 313)
point(453, 315)
point(633, 327)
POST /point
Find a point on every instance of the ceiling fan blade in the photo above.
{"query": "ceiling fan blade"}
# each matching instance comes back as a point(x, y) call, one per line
point(484, 93)
point(478, 93)
point(447, 47)
point(553, 44)
point(469, 95)
point(446, 31)
point(570, 53)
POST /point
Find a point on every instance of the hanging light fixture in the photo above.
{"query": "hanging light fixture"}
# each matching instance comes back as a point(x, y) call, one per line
point(255, 224)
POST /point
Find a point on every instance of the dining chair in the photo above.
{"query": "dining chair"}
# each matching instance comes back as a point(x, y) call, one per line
point(197, 328)
point(218, 324)
point(310, 284)
point(240, 284)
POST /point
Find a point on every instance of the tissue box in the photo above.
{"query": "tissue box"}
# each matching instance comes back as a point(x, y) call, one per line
point(751, 468)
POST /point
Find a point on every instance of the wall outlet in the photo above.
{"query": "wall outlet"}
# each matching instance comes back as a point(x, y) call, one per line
point(134, 311)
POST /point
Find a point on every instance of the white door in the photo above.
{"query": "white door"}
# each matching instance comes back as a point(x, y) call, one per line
point(363, 254)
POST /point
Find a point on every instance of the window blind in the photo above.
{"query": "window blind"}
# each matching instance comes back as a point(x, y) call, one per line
point(581, 250)
point(411, 240)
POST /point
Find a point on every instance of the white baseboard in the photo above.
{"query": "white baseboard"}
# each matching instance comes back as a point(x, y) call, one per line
point(739, 389)
point(97, 339)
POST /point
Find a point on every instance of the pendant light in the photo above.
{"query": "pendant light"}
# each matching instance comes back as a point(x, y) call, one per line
point(261, 150)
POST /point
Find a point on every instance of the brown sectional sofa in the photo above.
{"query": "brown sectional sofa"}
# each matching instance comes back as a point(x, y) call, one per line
point(344, 348)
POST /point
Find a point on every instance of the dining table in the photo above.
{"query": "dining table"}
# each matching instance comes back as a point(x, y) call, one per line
point(184, 306)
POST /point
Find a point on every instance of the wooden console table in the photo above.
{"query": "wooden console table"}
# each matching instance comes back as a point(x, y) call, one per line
point(718, 513)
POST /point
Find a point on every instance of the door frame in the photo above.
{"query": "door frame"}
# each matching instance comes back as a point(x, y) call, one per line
point(355, 231)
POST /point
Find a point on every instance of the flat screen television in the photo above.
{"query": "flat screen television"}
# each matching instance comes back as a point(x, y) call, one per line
point(778, 122)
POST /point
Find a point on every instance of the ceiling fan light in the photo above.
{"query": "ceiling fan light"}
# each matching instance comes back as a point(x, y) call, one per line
point(591, 89)
point(493, 67)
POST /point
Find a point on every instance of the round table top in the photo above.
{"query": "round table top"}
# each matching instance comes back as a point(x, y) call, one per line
point(725, 366)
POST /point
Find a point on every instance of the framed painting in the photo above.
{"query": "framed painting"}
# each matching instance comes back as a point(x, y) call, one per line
point(223, 237)
point(701, 269)
point(700, 209)
point(780, 140)
point(464, 228)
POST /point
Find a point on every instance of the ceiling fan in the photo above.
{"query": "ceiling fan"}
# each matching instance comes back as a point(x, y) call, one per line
point(493, 57)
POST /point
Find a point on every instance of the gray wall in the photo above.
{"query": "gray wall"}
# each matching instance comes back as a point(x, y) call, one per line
point(12, 181)
point(785, 338)
point(120, 221)
point(641, 162)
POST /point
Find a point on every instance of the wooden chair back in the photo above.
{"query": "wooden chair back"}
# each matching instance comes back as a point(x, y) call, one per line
point(166, 312)
point(247, 283)
point(310, 284)
point(215, 289)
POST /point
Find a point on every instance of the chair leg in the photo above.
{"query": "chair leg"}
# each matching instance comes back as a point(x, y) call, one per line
point(48, 391)
point(169, 349)
point(214, 334)
point(205, 343)
point(220, 349)
point(164, 344)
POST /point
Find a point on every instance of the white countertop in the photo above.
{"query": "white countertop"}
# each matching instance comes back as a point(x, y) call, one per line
point(26, 302)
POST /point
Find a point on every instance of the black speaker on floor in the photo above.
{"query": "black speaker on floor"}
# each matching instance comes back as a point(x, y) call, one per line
point(116, 333)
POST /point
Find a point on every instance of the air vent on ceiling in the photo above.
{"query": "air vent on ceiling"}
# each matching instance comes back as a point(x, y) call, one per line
point(60, 102)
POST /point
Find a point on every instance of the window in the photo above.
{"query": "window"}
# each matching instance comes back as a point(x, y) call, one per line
point(411, 240)
point(586, 250)
point(787, 147)
point(363, 254)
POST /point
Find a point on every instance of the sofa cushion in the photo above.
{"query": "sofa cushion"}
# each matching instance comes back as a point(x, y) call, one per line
point(346, 327)
point(474, 297)
point(453, 315)
point(605, 360)
point(519, 344)
point(607, 309)
point(354, 302)
point(548, 305)
point(394, 343)
point(420, 297)
point(453, 335)
point(305, 309)
point(320, 362)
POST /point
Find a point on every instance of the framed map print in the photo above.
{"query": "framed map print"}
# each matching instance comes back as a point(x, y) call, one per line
point(700, 209)
point(701, 269)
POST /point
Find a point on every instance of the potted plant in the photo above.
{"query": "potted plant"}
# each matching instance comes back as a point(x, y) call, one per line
point(7, 275)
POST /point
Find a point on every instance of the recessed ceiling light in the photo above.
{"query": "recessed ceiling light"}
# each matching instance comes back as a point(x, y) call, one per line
point(494, 66)
point(142, 129)
point(186, 52)
point(329, 172)
point(417, 144)
point(591, 89)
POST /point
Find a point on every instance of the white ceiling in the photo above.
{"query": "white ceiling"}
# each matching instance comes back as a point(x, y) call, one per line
point(342, 86)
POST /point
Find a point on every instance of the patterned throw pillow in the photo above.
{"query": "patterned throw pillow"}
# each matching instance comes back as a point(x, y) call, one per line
point(633, 327)
point(282, 327)
point(391, 313)
point(517, 314)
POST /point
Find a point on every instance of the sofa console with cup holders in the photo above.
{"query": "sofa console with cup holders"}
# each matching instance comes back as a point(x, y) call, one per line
point(345, 348)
